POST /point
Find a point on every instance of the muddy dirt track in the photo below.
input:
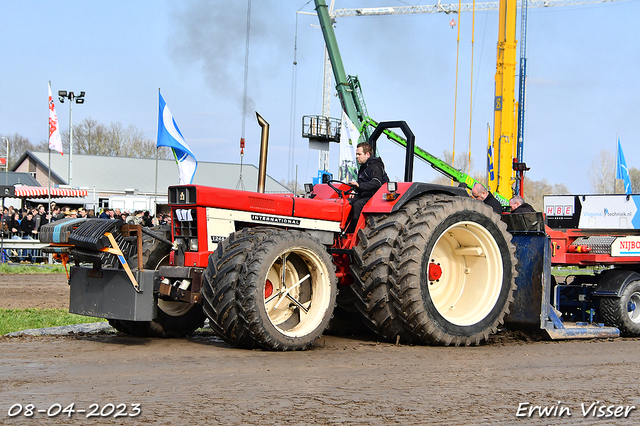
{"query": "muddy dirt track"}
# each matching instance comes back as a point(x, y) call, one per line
point(351, 381)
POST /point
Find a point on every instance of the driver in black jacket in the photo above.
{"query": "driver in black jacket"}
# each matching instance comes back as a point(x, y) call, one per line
point(371, 176)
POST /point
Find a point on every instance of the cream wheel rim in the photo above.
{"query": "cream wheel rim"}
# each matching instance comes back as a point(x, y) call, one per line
point(465, 273)
point(297, 297)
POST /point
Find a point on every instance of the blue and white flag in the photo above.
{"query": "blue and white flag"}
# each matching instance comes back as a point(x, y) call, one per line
point(621, 169)
point(169, 135)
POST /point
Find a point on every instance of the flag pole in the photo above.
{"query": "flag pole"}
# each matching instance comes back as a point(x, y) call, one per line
point(49, 165)
point(155, 191)
point(615, 180)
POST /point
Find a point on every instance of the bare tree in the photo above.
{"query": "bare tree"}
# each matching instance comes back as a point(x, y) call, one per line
point(602, 173)
point(93, 138)
point(462, 163)
point(18, 144)
point(535, 190)
point(293, 186)
point(634, 175)
point(89, 137)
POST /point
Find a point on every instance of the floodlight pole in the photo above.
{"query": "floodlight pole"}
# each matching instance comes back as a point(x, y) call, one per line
point(79, 99)
point(6, 168)
point(70, 140)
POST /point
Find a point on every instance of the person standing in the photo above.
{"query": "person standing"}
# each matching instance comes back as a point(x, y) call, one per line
point(28, 225)
point(41, 218)
point(518, 205)
point(479, 192)
point(146, 219)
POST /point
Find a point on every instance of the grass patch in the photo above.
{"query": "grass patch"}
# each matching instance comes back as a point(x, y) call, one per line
point(564, 271)
point(23, 319)
point(15, 269)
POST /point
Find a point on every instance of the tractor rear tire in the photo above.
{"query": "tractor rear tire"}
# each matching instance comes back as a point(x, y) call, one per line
point(174, 319)
point(623, 312)
point(219, 285)
point(456, 272)
point(346, 320)
point(373, 274)
point(287, 292)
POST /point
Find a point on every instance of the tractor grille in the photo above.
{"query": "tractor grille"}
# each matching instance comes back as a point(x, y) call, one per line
point(182, 195)
point(185, 222)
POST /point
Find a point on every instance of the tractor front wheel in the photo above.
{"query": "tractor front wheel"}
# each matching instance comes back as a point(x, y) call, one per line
point(220, 282)
point(287, 293)
point(173, 319)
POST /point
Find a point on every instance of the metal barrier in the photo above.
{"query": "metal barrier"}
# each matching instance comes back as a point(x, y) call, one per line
point(14, 249)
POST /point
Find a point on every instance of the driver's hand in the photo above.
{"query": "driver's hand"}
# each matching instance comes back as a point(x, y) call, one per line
point(354, 183)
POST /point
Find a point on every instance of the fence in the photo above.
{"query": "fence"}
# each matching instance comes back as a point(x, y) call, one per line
point(17, 249)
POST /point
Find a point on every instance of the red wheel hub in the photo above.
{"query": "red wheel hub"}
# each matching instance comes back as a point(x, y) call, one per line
point(268, 289)
point(435, 272)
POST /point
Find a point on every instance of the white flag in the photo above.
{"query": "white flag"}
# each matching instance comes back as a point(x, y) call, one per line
point(55, 142)
point(349, 135)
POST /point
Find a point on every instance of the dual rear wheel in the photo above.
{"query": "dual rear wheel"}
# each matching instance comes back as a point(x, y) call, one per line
point(444, 273)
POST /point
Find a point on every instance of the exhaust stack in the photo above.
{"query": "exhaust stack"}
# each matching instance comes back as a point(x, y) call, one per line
point(264, 144)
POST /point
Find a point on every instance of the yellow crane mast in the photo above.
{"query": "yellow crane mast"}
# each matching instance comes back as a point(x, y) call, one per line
point(503, 148)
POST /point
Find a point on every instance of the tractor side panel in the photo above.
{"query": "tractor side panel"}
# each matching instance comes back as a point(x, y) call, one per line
point(319, 209)
point(278, 204)
point(407, 191)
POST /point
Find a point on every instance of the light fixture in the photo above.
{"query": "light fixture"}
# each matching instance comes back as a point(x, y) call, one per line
point(392, 195)
point(79, 99)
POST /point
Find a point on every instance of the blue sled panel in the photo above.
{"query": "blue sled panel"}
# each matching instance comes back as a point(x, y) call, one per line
point(532, 267)
point(572, 331)
point(531, 307)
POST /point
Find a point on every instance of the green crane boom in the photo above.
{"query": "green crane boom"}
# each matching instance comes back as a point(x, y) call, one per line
point(352, 101)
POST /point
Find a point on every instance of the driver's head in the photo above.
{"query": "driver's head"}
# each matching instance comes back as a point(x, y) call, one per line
point(363, 152)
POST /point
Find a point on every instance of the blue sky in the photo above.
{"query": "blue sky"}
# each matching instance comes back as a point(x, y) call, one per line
point(583, 68)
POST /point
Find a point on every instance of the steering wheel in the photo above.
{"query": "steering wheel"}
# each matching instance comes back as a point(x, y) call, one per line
point(340, 192)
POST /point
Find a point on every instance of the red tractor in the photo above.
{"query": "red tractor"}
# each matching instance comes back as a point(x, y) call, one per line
point(427, 263)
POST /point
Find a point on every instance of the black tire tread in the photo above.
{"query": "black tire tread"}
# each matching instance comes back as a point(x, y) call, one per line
point(613, 311)
point(372, 271)
point(407, 267)
point(220, 279)
point(248, 296)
